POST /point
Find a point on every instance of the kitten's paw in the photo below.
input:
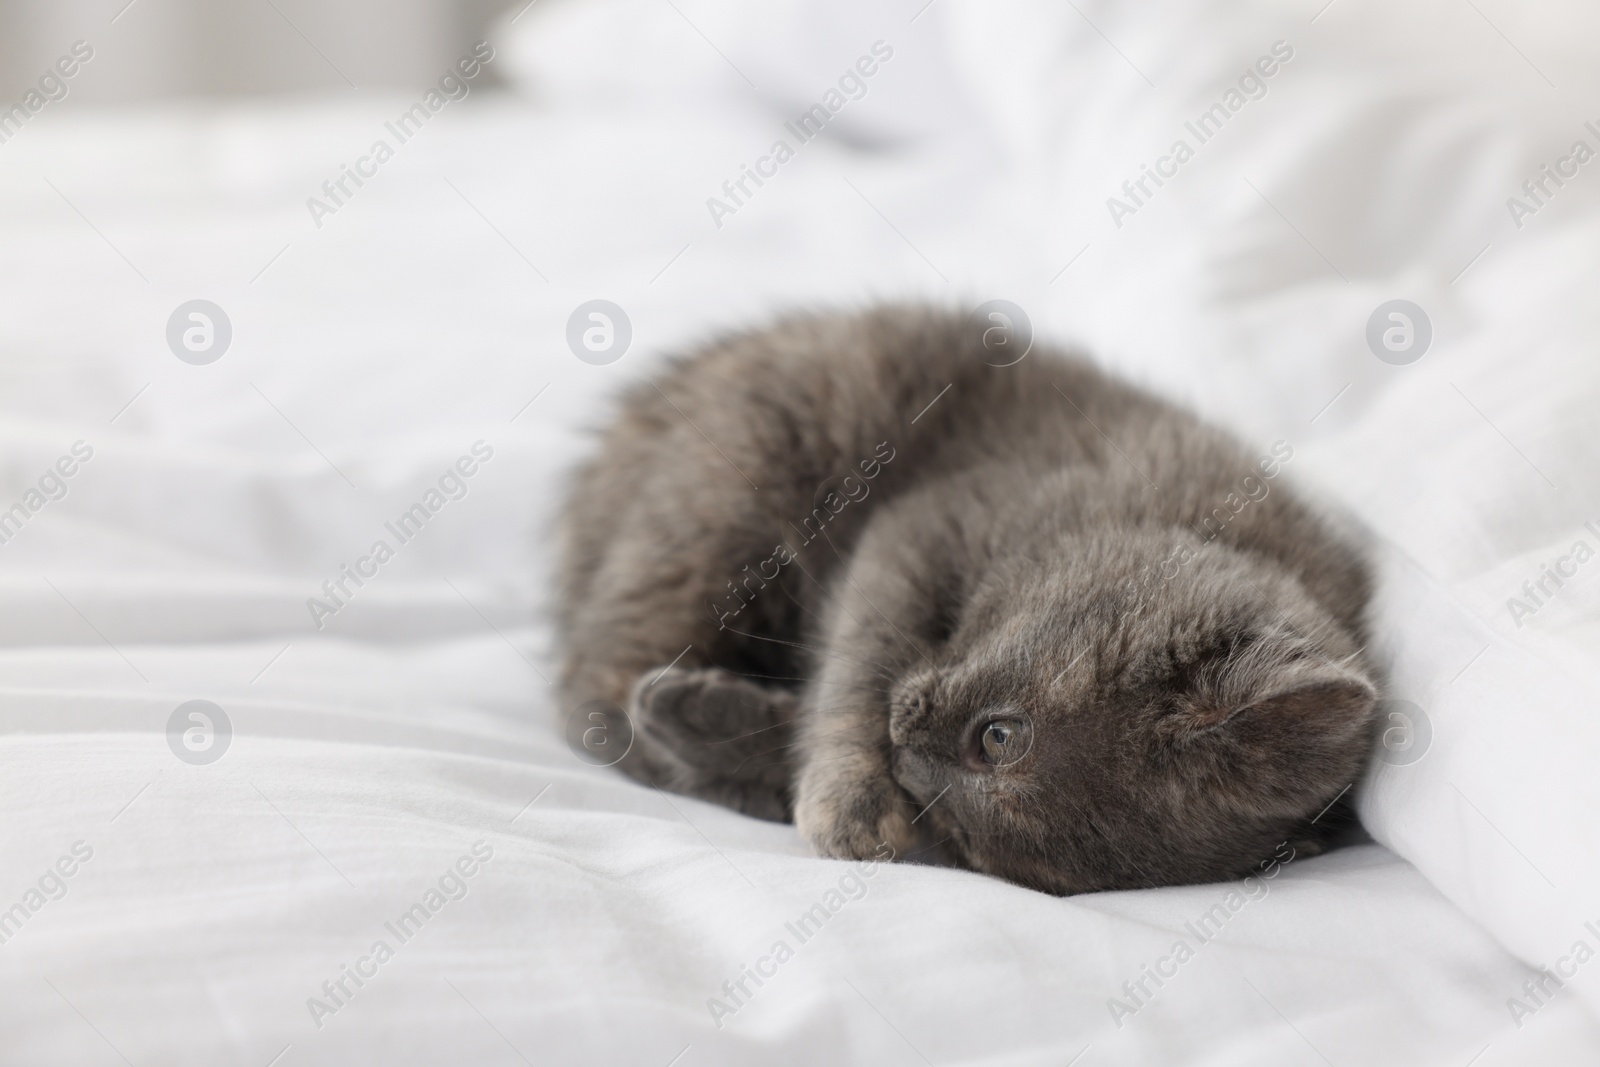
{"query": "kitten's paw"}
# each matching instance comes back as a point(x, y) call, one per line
point(859, 819)
point(713, 719)
point(701, 703)
point(718, 736)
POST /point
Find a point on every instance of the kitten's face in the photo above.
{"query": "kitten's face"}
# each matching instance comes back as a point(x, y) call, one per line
point(1100, 727)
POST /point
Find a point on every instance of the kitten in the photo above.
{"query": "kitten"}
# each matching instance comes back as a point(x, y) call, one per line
point(849, 570)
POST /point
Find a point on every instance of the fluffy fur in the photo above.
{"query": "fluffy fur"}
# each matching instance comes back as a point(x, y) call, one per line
point(1069, 631)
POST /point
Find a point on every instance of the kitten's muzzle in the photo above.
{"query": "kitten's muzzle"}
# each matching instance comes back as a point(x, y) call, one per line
point(914, 771)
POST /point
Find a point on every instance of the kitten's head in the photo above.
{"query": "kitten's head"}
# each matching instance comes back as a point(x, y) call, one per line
point(1096, 725)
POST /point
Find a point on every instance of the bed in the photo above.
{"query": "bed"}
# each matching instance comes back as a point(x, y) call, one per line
point(256, 811)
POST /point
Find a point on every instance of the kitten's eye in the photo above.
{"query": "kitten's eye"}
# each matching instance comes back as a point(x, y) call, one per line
point(1004, 741)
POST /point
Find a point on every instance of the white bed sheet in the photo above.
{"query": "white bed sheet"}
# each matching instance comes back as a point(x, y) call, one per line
point(370, 353)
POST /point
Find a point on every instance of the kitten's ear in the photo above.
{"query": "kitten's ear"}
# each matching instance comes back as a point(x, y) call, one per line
point(1254, 693)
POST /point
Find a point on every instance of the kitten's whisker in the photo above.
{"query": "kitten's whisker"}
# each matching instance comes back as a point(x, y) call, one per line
point(756, 755)
point(765, 677)
point(818, 649)
point(752, 733)
point(822, 623)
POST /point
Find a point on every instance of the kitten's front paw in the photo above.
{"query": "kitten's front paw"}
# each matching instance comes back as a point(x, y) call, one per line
point(853, 818)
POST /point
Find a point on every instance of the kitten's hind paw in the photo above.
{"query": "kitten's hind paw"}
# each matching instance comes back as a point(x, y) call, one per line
point(715, 721)
point(719, 737)
point(864, 818)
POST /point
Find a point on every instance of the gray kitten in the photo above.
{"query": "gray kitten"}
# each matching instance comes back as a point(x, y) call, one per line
point(909, 584)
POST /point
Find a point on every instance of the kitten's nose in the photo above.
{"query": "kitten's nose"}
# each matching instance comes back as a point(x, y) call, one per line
point(908, 720)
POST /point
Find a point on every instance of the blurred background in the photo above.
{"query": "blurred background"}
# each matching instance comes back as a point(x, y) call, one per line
point(156, 48)
point(198, 154)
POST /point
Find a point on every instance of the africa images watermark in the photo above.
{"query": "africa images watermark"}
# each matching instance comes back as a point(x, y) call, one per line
point(199, 732)
point(52, 87)
point(1204, 930)
point(50, 887)
point(52, 486)
point(827, 508)
point(1565, 967)
point(852, 886)
point(454, 84)
point(1552, 576)
point(451, 886)
point(1209, 123)
point(1564, 170)
point(452, 486)
point(1254, 489)
point(852, 85)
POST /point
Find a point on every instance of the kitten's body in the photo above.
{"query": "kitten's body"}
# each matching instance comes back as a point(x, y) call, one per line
point(1163, 658)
